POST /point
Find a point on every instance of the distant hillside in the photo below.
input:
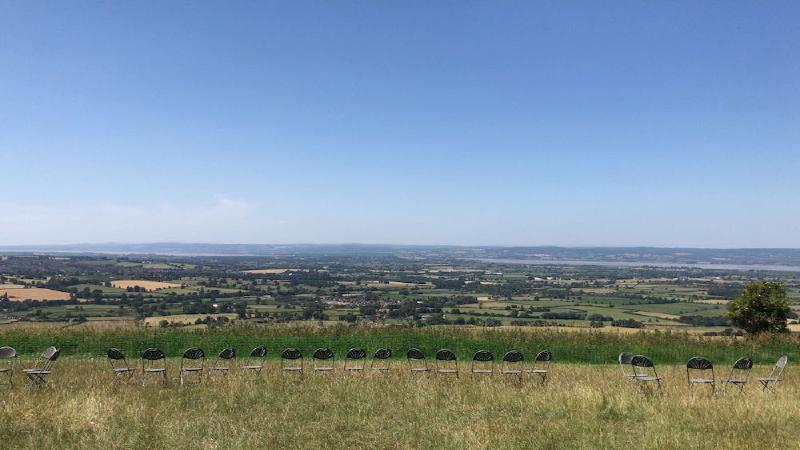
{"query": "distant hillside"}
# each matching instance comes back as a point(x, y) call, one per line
point(786, 257)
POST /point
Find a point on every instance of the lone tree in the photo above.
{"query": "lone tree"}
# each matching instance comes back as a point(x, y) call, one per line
point(762, 306)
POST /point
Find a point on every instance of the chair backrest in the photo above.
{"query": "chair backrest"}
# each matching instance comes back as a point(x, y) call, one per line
point(382, 353)
point(483, 356)
point(194, 353)
point(291, 353)
point(780, 365)
point(323, 353)
point(48, 357)
point(544, 356)
point(227, 353)
point(259, 352)
point(625, 358)
point(445, 355)
point(513, 356)
point(50, 354)
point(7, 352)
point(356, 353)
point(641, 361)
point(642, 365)
point(153, 354)
point(115, 354)
point(745, 363)
point(415, 353)
point(699, 363)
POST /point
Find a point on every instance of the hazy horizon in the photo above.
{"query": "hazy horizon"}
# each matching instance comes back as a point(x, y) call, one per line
point(586, 124)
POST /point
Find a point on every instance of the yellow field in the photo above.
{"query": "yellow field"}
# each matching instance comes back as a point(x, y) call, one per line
point(398, 284)
point(184, 319)
point(580, 407)
point(145, 284)
point(268, 271)
point(658, 315)
point(22, 294)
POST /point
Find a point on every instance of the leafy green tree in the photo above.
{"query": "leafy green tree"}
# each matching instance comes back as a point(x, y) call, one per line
point(762, 306)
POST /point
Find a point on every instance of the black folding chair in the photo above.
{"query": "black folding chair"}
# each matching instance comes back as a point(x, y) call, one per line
point(222, 364)
point(323, 360)
point(740, 373)
point(512, 363)
point(193, 361)
point(354, 359)
point(645, 371)
point(446, 362)
point(292, 361)
point(153, 362)
point(482, 363)
point(416, 361)
point(260, 353)
point(541, 365)
point(381, 355)
point(42, 367)
point(8, 359)
point(119, 365)
point(697, 370)
point(775, 376)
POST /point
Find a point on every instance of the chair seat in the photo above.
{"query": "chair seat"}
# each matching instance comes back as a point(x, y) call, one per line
point(185, 369)
point(736, 381)
point(5, 369)
point(767, 379)
point(512, 371)
point(323, 369)
point(420, 369)
point(123, 369)
point(219, 368)
point(702, 380)
point(353, 368)
point(156, 369)
point(647, 378)
point(447, 370)
point(482, 371)
point(252, 367)
point(537, 371)
point(37, 372)
point(293, 368)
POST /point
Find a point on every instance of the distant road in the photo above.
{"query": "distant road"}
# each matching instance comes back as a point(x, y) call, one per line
point(708, 266)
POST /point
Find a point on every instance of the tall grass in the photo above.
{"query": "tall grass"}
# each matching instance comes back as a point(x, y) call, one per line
point(567, 346)
point(580, 407)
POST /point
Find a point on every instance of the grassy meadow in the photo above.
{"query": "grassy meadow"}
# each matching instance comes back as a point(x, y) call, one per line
point(581, 406)
point(586, 403)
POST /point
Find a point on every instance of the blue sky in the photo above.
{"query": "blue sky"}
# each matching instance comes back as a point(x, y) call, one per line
point(510, 123)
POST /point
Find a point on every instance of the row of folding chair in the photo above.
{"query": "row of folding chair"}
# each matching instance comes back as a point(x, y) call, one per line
point(483, 363)
point(36, 373)
point(323, 360)
point(192, 364)
point(700, 371)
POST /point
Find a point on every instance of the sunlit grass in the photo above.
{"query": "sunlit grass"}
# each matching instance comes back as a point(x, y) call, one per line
point(581, 406)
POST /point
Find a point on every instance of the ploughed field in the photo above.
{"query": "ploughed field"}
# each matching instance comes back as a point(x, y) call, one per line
point(580, 406)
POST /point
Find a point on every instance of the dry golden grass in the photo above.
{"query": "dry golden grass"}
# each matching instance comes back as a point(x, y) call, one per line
point(22, 294)
point(145, 284)
point(658, 315)
point(184, 319)
point(580, 407)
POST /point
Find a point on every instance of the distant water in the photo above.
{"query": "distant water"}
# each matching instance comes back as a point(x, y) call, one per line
point(708, 266)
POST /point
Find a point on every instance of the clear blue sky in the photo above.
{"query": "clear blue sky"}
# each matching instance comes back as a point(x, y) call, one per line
point(413, 122)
